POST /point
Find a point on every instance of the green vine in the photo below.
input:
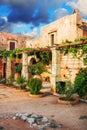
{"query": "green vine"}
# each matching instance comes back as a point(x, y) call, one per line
point(77, 51)
point(45, 57)
point(12, 53)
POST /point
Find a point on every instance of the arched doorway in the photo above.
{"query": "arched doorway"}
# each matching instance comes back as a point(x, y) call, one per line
point(32, 61)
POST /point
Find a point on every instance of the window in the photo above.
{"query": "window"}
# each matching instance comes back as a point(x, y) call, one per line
point(12, 45)
point(52, 39)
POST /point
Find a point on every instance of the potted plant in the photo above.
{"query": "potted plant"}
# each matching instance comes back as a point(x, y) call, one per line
point(36, 69)
point(21, 81)
point(35, 85)
point(66, 93)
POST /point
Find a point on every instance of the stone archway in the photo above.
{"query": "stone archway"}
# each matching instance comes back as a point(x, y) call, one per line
point(32, 61)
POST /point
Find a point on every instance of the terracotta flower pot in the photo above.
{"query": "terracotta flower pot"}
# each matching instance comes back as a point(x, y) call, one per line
point(37, 95)
point(74, 100)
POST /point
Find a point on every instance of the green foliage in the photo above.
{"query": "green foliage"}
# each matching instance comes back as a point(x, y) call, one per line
point(65, 88)
point(18, 68)
point(36, 69)
point(12, 53)
point(80, 39)
point(60, 87)
point(10, 80)
point(21, 80)
point(77, 40)
point(66, 41)
point(35, 85)
point(80, 83)
point(44, 57)
point(4, 53)
point(74, 49)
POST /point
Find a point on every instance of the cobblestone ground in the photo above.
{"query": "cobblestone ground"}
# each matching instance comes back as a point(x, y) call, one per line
point(13, 101)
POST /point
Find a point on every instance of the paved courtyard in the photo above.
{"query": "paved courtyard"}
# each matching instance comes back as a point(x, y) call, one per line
point(13, 101)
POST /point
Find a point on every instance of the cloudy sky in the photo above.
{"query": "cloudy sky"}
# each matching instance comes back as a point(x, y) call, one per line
point(27, 16)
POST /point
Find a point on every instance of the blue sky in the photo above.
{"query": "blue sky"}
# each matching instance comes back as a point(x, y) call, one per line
point(27, 16)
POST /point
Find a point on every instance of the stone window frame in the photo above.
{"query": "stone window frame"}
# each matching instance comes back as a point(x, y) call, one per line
point(11, 45)
point(9, 41)
point(52, 32)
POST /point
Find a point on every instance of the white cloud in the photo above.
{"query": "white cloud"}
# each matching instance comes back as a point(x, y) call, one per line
point(19, 25)
point(79, 4)
point(5, 18)
point(60, 13)
point(5, 25)
point(33, 34)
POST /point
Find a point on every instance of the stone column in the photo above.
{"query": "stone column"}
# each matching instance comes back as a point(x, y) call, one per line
point(25, 65)
point(55, 76)
point(8, 68)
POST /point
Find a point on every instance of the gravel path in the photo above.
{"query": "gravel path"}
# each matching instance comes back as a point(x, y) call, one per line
point(13, 101)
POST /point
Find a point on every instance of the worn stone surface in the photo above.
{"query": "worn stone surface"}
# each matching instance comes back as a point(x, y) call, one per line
point(35, 120)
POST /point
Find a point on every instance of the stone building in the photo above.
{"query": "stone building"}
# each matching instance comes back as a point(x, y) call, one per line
point(69, 28)
point(53, 34)
point(9, 41)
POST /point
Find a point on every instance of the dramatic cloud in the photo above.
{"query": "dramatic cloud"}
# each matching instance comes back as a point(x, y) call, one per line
point(30, 11)
point(80, 4)
point(35, 12)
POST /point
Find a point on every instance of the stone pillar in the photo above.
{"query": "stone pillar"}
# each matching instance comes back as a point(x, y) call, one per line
point(55, 76)
point(25, 65)
point(8, 68)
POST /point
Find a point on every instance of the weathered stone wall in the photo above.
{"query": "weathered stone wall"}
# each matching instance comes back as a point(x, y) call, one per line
point(34, 43)
point(69, 67)
point(5, 38)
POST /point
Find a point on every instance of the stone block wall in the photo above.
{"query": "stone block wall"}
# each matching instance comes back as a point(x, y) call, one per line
point(69, 67)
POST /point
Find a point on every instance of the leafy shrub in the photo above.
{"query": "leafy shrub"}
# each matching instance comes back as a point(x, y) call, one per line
point(18, 68)
point(65, 88)
point(21, 82)
point(36, 69)
point(45, 57)
point(35, 85)
point(80, 83)
point(10, 80)
point(60, 87)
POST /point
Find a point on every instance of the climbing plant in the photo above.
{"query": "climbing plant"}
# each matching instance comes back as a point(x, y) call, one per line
point(45, 57)
point(12, 53)
point(76, 50)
